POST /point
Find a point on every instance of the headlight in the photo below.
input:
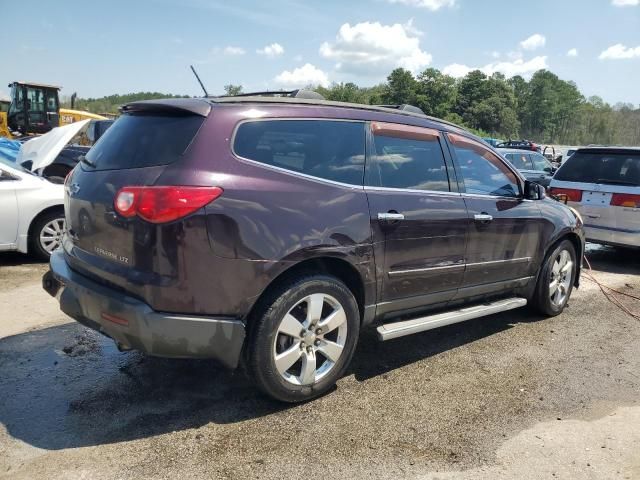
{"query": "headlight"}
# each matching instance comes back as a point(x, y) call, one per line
point(578, 216)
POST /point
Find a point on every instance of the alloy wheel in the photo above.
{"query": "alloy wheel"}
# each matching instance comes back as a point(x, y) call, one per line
point(51, 235)
point(310, 339)
point(561, 276)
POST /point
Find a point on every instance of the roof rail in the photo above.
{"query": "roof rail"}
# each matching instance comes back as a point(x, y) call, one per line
point(405, 108)
point(299, 93)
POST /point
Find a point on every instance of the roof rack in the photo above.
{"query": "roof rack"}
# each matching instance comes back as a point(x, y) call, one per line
point(405, 108)
point(299, 93)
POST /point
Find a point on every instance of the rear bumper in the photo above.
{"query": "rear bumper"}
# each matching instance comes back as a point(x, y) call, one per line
point(612, 236)
point(132, 324)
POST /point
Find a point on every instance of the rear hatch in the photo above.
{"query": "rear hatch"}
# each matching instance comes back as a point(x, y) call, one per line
point(123, 249)
point(604, 185)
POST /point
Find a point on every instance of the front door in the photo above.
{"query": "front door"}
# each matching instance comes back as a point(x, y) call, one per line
point(419, 224)
point(505, 230)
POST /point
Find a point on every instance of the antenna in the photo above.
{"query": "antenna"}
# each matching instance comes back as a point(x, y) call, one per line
point(206, 94)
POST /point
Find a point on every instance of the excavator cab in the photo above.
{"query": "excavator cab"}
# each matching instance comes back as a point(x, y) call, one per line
point(34, 108)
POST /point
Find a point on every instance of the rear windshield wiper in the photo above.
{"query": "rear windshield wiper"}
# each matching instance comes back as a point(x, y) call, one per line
point(616, 182)
point(86, 161)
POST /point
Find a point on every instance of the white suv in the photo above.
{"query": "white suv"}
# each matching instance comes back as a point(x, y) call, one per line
point(603, 184)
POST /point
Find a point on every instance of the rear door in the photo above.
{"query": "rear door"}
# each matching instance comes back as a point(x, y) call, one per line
point(505, 230)
point(419, 220)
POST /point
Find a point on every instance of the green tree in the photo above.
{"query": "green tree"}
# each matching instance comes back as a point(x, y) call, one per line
point(232, 89)
point(435, 93)
point(401, 88)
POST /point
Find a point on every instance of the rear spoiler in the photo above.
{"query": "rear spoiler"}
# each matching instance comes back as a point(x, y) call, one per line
point(196, 106)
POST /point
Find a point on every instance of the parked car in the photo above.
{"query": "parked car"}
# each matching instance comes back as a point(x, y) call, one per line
point(32, 212)
point(603, 184)
point(492, 141)
point(273, 229)
point(520, 145)
point(533, 165)
point(70, 142)
point(70, 155)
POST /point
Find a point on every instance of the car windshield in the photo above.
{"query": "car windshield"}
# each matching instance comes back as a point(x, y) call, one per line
point(14, 165)
point(614, 168)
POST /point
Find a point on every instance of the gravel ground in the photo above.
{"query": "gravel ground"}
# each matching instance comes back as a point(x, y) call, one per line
point(507, 396)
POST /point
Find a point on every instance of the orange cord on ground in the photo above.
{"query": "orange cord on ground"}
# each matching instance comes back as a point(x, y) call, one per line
point(606, 291)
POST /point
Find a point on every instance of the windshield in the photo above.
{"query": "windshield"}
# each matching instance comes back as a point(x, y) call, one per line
point(15, 166)
point(614, 168)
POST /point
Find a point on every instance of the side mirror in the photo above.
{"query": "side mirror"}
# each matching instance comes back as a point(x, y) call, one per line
point(533, 191)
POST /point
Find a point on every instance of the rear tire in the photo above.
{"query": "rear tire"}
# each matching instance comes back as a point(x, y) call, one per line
point(46, 234)
point(303, 338)
point(556, 279)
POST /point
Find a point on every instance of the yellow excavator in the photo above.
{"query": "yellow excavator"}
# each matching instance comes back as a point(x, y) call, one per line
point(34, 109)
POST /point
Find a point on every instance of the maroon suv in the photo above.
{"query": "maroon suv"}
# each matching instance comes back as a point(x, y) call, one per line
point(272, 229)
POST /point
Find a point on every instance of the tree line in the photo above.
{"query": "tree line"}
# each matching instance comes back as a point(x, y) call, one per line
point(545, 109)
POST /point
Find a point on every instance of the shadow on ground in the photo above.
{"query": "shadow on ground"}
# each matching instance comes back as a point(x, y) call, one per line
point(67, 386)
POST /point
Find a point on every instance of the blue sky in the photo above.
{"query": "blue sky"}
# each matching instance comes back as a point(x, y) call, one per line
point(100, 48)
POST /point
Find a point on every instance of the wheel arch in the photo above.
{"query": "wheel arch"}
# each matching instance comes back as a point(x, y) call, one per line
point(36, 217)
point(337, 267)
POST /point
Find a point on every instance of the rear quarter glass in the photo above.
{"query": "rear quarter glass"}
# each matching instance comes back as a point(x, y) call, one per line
point(142, 140)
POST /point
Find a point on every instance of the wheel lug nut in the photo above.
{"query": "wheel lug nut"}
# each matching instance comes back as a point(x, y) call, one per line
point(318, 331)
point(317, 343)
point(302, 344)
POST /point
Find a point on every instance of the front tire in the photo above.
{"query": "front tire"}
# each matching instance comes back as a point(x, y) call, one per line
point(556, 279)
point(304, 337)
point(46, 234)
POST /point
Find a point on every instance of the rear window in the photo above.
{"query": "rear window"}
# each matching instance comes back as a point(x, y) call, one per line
point(329, 149)
point(139, 140)
point(606, 168)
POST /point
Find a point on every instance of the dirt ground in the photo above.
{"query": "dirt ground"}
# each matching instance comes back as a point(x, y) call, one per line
point(511, 396)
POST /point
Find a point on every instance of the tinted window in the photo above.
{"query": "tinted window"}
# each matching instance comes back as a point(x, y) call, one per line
point(522, 161)
point(327, 149)
point(144, 140)
point(612, 168)
point(483, 172)
point(540, 162)
point(408, 163)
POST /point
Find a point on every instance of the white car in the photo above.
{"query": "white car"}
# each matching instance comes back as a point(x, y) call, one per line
point(31, 211)
point(603, 185)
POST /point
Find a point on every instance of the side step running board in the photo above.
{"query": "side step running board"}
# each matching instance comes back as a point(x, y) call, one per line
point(408, 327)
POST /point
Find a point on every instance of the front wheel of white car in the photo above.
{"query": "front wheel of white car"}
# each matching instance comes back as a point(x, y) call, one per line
point(46, 234)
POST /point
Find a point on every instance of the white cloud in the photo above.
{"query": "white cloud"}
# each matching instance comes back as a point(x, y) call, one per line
point(302, 76)
point(372, 48)
point(432, 5)
point(572, 53)
point(273, 50)
point(620, 52)
point(533, 42)
point(509, 69)
point(625, 3)
point(231, 51)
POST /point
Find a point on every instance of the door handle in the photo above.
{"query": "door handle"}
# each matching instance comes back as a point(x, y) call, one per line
point(390, 217)
point(482, 217)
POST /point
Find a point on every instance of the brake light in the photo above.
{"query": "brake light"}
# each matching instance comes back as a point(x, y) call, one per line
point(163, 204)
point(572, 194)
point(625, 200)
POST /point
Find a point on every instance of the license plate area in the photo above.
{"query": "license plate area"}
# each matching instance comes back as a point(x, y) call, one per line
point(596, 199)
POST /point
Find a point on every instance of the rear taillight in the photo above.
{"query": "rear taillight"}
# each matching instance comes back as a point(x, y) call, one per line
point(572, 194)
point(625, 200)
point(163, 204)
